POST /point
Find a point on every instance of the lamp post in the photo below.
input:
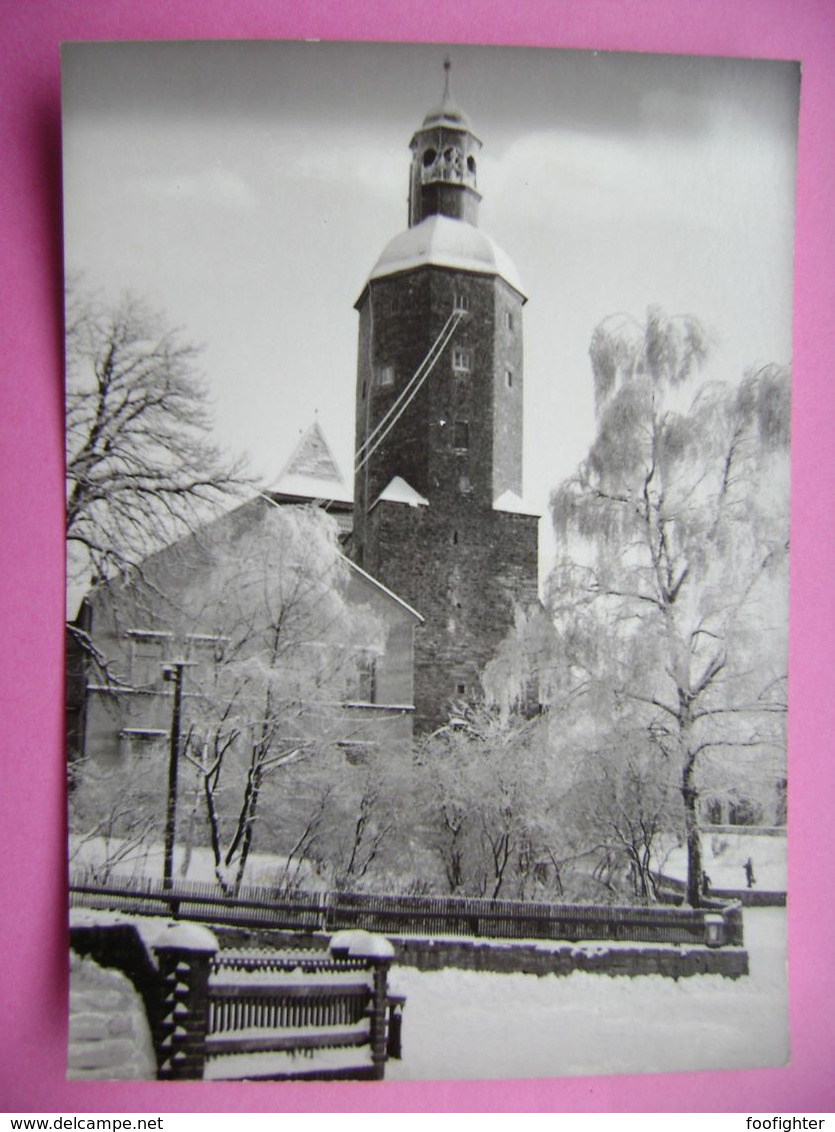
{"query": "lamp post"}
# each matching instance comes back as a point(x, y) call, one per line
point(173, 671)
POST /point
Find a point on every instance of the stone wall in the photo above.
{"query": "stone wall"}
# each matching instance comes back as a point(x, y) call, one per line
point(109, 1034)
point(462, 565)
point(602, 959)
point(466, 574)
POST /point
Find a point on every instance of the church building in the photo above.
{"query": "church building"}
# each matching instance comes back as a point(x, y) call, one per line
point(437, 541)
point(439, 516)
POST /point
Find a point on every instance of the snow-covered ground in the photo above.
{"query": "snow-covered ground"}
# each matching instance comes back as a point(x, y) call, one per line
point(465, 1024)
point(197, 864)
point(724, 855)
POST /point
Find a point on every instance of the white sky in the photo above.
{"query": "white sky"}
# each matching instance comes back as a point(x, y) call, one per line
point(248, 188)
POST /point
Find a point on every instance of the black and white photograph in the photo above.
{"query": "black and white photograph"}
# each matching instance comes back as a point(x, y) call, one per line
point(427, 451)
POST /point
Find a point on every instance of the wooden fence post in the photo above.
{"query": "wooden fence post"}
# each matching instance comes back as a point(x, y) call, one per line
point(379, 1017)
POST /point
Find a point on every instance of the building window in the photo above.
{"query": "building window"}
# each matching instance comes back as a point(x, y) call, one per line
point(365, 685)
point(461, 434)
point(508, 378)
point(148, 649)
point(461, 689)
point(385, 376)
point(464, 484)
point(508, 319)
point(461, 302)
point(455, 538)
point(462, 360)
point(138, 742)
point(364, 390)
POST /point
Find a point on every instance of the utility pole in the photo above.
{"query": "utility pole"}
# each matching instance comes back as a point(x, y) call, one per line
point(173, 671)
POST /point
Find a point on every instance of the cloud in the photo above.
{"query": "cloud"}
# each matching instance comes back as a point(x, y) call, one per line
point(360, 162)
point(726, 177)
point(217, 186)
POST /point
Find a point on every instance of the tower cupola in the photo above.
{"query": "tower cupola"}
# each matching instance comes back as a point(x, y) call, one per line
point(443, 178)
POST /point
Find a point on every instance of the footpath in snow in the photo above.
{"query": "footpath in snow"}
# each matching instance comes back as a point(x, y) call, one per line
point(466, 1024)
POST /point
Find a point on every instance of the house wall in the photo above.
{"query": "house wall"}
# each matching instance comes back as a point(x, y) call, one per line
point(141, 627)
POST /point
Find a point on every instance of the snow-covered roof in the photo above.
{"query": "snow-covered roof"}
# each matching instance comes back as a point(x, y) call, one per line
point(510, 501)
point(444, 242)
point(447, 113)
point(312, 472)
point(398, 491)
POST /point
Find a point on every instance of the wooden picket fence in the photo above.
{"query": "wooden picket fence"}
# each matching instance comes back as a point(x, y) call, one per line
point(425, 916)
point(295, 1014)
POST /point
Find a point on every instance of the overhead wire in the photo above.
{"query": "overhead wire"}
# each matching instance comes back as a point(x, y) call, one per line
point(413, 386)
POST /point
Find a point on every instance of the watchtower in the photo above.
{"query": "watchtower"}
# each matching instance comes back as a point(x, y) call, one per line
point(438, 510)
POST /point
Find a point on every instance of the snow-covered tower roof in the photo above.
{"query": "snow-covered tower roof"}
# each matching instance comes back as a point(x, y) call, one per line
point(312, 471)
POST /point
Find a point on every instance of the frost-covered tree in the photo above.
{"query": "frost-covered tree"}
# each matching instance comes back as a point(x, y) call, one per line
point(287, 646)
point(255, 608)
point(485, 798)
point(672, 589)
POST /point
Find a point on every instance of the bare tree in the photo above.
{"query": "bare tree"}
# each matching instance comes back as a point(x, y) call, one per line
point(141, 468)
point(113, 815)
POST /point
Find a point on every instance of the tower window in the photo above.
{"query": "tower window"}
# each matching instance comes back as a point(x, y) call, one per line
point(364, 390)
point(461, 689)
point(471, 164)
point(429, 156)
point(455, 538)
point(462, 360)
point(386, 375)
point(461, 301)
point(508, 378)
point(508, 319)
point(464, 485)
point(462, 434)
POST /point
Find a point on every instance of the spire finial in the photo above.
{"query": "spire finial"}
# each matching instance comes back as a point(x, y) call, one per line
point(447, 69)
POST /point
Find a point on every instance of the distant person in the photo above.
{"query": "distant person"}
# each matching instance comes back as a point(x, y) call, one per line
point(749, 872)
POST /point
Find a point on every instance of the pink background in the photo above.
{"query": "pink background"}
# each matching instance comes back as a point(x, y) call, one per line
point(33, 982)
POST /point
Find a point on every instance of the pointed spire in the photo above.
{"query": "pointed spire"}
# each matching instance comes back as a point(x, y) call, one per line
point(447, 112)
point(447, 70)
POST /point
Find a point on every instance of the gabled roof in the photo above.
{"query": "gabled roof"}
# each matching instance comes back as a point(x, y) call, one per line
point(312, 471)
point(384, 589)
point(398, 491)
point(510, 501)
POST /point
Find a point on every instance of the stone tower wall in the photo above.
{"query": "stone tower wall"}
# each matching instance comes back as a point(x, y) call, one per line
point(466, 573)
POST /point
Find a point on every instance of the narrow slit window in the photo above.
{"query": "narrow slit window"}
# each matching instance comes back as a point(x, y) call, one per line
point(508, 319)
point(461, 301)
point(386, 376)
point(508, 378)
point(462, 360)
point(462, 434)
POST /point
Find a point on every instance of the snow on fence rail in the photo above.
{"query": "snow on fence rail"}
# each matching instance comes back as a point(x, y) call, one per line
point(256, 1016)
point(256, 906)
